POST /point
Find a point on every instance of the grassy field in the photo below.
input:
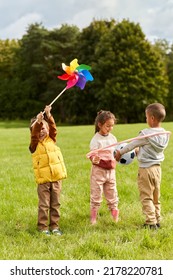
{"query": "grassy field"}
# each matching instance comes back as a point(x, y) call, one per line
point(126, 240)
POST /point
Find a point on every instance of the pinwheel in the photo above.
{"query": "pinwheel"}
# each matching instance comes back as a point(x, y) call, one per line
point(76, 75)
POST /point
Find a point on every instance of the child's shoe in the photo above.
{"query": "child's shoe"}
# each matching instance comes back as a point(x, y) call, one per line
point(93, 216)
point(56, 231)
point(155, 227)
point(45, 232)
point(115, 214)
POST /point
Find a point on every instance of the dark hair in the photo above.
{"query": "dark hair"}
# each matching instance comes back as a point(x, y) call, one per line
point(102, 117)
point(157, 110)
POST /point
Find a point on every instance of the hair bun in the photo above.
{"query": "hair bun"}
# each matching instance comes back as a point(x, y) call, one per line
point(100, 112)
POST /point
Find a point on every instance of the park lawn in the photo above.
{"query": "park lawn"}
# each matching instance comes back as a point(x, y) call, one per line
point(126, 240)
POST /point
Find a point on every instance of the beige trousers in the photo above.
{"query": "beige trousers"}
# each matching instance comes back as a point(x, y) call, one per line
point(149, 180)
point(48, 205)
point(103, 181)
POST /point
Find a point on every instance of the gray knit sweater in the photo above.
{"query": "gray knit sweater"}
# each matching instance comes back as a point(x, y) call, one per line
point(151, 149)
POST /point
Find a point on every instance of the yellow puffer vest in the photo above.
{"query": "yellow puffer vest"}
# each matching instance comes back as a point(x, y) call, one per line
point(48, 162)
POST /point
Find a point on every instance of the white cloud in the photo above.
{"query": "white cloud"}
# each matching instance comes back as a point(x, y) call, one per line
point(18, 28)
point(154, 16)
point(82, 19)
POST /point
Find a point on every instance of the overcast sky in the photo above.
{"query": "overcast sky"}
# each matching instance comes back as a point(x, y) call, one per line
point(154, 16)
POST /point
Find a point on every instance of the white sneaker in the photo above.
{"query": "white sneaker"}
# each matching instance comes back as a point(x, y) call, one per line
point(46, 232)
point(56, 232)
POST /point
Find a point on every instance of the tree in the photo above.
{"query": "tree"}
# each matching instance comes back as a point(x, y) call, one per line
point(8, 50)
point(85, 103)
point(170, 76)
point(133, 74)
point(129, 72)
point(63, 49)
point(38, 64)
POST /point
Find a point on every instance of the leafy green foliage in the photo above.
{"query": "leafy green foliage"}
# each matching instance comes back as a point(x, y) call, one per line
point(129, 72)
point(132, 72)
point(170, 75)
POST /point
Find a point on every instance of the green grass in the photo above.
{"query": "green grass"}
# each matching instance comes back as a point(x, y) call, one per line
point(126, 240)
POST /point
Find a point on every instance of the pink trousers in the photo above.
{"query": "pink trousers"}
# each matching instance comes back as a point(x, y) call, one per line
point(103, 181)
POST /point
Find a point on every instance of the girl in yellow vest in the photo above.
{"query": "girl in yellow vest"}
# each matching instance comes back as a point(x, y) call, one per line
point(49, 170)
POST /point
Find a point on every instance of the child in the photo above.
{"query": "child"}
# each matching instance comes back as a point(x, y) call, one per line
point(150, 155)
point(102, 178)
point(49, 170)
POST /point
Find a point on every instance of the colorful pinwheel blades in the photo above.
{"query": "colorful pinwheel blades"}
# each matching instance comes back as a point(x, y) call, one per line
point(76, 75)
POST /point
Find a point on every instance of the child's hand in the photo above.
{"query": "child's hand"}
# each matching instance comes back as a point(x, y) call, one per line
point(40, 117)
point(136, 151)
point(96, 160)
point(117, 155)
point(47, 110)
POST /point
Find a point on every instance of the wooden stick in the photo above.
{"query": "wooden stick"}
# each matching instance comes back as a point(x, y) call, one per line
point(52, 102)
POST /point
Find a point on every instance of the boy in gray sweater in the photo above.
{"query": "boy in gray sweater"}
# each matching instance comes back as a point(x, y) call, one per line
point(150, 154)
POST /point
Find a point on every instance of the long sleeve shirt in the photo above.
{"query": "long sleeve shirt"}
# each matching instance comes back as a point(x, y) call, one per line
point(151, 149)
point(99, 141)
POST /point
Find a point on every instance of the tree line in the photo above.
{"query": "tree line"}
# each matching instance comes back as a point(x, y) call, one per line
point(129, 72)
